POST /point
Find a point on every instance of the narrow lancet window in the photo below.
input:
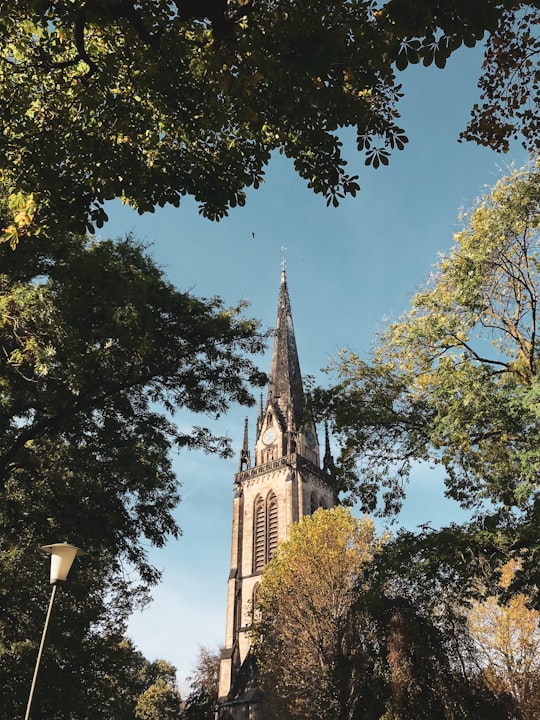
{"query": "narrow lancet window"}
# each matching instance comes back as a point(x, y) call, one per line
point(259, 535)
point(272, 526)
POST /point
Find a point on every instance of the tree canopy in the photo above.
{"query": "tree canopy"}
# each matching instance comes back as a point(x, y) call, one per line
point(455, 381)
point(153, 101)
point(507, 636)
point(346, 631)
point(306, 634)
point(99, 351)
point(161, 699)
point(202, 698)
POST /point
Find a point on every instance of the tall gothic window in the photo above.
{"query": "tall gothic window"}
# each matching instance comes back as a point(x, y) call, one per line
point(259, 534)
point(271, 526)
point(265, 530)
point(255, 612)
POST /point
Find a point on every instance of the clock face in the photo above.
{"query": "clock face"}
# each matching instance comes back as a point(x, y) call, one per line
point(310, 439)
point(269, 436)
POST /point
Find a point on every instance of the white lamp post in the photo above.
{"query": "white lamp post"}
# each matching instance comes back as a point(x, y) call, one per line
point(62, 557)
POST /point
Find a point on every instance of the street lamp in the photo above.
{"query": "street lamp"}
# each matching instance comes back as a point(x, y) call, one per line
point(62, 557)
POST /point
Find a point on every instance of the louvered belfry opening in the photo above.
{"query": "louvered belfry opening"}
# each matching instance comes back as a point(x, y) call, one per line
point(259, 535)
point(271, 526)
point(265, 530)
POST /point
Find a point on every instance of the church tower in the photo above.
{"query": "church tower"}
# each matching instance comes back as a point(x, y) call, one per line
point(284, 483)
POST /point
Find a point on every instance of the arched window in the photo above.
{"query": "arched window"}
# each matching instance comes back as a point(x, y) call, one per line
point(272, 526)
point(314, 503)
point(265, 530)
point(259, 534)
point(322, 504)
point(255, 613)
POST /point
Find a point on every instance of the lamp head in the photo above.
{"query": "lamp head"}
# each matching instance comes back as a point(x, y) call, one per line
point(62, 557)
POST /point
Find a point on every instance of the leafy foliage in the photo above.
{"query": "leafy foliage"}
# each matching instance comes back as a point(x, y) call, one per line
point(160, 700)
point(150, 102)
point(201, 701)
point(510, 86)
point(102, 676)
point(350, 631)
point(306, 633)
point(455, 381)
point(507, 635)
point(429, 33)
point(99, 351)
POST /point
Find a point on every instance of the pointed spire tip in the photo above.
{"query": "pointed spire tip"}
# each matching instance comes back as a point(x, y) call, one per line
point(283, 264)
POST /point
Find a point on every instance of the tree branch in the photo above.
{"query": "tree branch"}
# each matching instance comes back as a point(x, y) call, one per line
point(45, 425)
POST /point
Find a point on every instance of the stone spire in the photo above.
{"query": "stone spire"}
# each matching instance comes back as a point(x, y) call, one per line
point(285, 388)
point(260, 416)
point(328, 462)
point(245, 461)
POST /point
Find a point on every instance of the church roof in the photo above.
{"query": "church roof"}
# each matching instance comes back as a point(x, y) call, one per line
point(285, 378)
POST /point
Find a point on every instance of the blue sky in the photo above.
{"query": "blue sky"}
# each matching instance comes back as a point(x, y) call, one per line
point(349, 270)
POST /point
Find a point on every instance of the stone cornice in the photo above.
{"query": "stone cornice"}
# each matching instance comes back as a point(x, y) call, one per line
point(294, 461)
